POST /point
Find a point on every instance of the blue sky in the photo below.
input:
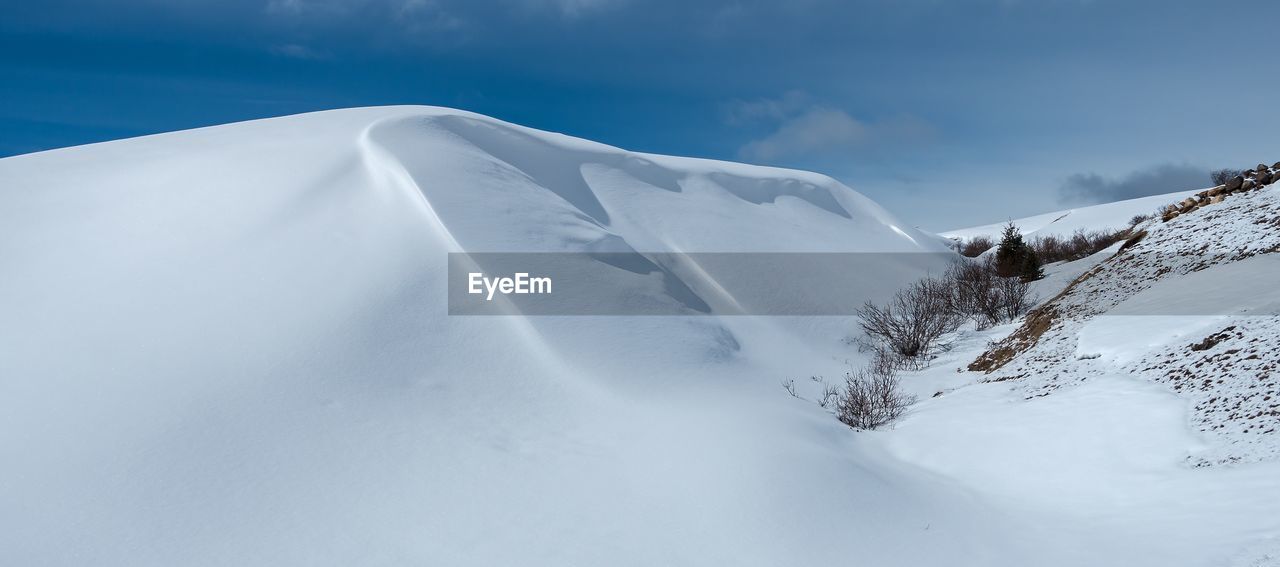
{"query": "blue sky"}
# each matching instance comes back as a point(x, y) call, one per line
point(949, 113)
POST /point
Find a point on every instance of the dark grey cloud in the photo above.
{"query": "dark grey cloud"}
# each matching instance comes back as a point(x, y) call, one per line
point(1164, 178)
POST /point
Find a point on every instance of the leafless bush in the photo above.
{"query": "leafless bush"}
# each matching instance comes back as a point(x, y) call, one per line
point(974, 247)
point(1222, 176)
point(872, 398)
point(1082, 243)
point(912, 323)
point(830, 395)
point(1051, 248)
point(1137, 220)
point(790, 386)
point(908, 330)
point(1013, 299)
point(981, 295)
point(974, 286)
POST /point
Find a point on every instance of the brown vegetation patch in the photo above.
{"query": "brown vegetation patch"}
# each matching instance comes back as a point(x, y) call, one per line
point(1038, 321)
point(1132, 240)
point(1212, 340)
point(975, 246)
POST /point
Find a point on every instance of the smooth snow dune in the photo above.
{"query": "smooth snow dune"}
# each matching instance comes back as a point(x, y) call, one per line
point(230, 346)
point(1107, 216)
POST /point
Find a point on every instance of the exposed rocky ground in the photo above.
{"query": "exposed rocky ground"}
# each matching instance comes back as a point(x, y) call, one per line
point(1248, 180)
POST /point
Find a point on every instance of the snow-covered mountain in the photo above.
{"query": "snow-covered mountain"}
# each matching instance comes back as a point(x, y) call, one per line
point(232, 346)
point(1104, 217)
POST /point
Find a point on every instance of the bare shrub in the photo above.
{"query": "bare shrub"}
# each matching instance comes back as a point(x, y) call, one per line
point(912, 323)
point(1013, 299)
point(1222, 176)
point(1080, 244)
point(974, 286)
point(830, 395)
point(1137, 220)
point(908, 330)
point(790, 386)
point(981, 295)
point(872, 398)
point(974, 247)
point(1050, 248)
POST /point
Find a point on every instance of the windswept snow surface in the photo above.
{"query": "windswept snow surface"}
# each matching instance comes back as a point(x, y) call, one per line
point(1107, 216)
point(230, 346)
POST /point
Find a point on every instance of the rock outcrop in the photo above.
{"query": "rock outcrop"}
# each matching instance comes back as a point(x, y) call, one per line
point(1248, 180)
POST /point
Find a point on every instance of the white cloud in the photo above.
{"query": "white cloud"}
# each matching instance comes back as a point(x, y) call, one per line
point(804, 128)
point(296, 51)
point(576, 8)
point(741, 112)
point(295, 7)
point(816, 130)
point(416, 17)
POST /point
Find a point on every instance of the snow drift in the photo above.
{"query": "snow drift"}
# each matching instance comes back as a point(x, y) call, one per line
point(229, 346)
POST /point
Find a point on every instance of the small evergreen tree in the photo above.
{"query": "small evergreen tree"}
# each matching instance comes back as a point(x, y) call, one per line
point(1014, 257)
point(1030, 269)
point(1010, 252)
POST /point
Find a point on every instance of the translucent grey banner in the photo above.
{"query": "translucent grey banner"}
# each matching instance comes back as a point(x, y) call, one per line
point(634, 283)
point(795, 284)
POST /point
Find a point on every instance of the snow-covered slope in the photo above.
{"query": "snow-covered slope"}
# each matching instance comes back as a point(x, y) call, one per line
point(1107, 216)
point(231, 346)
point(1189, 304)
point(1141, 394)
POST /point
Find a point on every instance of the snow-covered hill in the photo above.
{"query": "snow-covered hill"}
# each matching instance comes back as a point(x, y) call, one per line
point(1159, 349)
point(1107, 216)
point(232, 346)
point(1189, 303)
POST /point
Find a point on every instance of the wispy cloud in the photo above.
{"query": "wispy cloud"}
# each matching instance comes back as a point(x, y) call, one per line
point(802, 127)
point(438, 13)
point(817, 129)
point(297, 51)
point(580, 8)
point(745, 112)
